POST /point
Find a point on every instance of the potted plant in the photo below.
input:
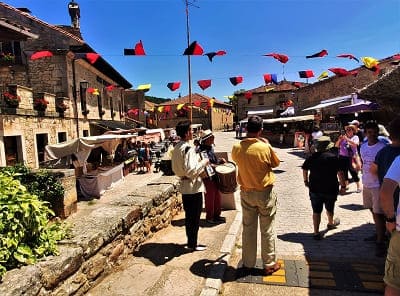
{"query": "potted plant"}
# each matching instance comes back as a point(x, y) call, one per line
point(40, 104)
point(7, 58)
point(61, 107)
point(12, 100)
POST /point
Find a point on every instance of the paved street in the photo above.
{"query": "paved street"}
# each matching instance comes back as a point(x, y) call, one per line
point(162, 267)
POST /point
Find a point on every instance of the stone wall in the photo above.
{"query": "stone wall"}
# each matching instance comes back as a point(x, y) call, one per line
point(99, 240)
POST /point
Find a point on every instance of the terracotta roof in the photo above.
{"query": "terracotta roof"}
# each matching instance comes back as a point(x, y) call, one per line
point(35, 19)
point(283, 85)
point(195, 97)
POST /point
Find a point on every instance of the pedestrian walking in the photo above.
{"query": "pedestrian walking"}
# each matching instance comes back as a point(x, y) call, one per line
point(320, 172)
point(255, 159)
point(371, 184)
point(212, 195)
point(392, 264)
point(237, 128)
point(348, 155)
point(187, 165)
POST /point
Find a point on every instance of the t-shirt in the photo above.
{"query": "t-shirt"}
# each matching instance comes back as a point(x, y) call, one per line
point(368, 153)
point(323, 167)
point(384, 159)
point(346, 150)
point(394, 174)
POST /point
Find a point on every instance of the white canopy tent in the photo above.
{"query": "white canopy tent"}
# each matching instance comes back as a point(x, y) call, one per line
point(329, 102)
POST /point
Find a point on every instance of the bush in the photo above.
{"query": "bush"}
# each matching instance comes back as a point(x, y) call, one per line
point(25, 231)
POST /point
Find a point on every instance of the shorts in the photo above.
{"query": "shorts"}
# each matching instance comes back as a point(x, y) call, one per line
point(371, 200)
point(392, 264)
point(319, 199)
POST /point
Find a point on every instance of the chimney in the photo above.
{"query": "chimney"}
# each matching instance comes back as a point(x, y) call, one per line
point(74, 13)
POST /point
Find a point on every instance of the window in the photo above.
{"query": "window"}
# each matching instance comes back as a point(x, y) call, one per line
point(41, 142)
point(62, 137)
point(13, 150)
point(85, 133)
point(12, 49)
point(260, 100)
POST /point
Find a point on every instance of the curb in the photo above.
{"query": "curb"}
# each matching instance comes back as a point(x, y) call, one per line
point(213, 283)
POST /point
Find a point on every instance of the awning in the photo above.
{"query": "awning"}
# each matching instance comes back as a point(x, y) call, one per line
point(259, 112)
point(13, 31)
point(329, 102)
point(289, 119)
point(359, 107)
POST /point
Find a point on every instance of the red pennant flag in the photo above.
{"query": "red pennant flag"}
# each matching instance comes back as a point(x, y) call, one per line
point(349, 56)
point(41, 54)
point(320, 54)
point(204, 84)
point(268, 78)
point(236, 80)
point(296, 84)
point(193, 49)
point(138, 50)
point(92, 57)
point(90, 90)
point(167, 108)
point(306, 74)
point(110, 87)
point(197, 103)
point(248, 95)
point(211, 55)
point(280, 57)
point(342, 72)
point(174, 85)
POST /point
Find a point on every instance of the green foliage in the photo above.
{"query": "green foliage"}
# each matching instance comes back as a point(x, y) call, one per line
point(156, 100)
point(41, 183)
point(25, 231)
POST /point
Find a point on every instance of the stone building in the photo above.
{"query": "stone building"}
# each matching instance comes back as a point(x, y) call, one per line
point(69, 93)
point(382, 88)
point(211, 113)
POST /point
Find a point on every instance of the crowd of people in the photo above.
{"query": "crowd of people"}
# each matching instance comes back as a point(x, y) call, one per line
point(365, 150)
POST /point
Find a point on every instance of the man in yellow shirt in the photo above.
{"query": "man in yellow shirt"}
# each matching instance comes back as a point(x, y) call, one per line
point(255, 159)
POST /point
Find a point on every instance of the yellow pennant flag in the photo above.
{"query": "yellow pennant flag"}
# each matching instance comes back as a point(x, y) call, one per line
point(96, 92)
point(211, 101)
point(370, 62)
point(144, 87)
point(180, 106)
point(160, 109)
point(268, 89)
point(323, 75)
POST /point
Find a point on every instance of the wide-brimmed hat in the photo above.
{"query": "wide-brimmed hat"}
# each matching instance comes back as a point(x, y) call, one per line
point(383, 131)
point(206, 134)
point(354, 122)
point(324, 143)
point(353, 127)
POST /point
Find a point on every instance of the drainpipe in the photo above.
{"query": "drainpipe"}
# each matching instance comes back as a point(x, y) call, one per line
point(74, 94)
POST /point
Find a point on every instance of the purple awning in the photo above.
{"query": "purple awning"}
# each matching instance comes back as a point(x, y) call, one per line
point(358, 107)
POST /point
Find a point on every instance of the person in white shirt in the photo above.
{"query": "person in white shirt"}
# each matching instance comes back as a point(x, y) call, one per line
point(187, 165)
point(371, 185)
point(392, 265)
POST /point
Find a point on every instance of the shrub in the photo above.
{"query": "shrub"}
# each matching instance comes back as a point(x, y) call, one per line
point(25, 231)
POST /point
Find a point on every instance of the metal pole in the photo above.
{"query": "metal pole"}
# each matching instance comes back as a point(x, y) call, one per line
point(75, 97)
point(188, 57)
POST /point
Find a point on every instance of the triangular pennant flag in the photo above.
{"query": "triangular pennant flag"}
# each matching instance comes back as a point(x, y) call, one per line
point(96, 92)
point(323, 75)
point(268, 78)
point(92, 57)
point(211, 55)
point(349, 56)
point(306, 74)
point(193, 49)
point(280, 57)
point(144, 87)
point(41, 54)
point(211, 102)
point(236, 80)
point(138, 50)
point(204, 84)
point(160, 109)
point(180, 106)
point(167, 108)
point(197, 103)
point(248, 95)
point(174, 85)
point(343, 72)
point(296, 84)
point(371, 64)
point(268, 89)
point(320, 54)
point(110, 87)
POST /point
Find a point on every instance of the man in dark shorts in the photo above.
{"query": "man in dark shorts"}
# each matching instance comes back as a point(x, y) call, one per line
point(320, 173)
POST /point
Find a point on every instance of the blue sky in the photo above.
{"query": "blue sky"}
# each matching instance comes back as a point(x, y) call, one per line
point(245, 29)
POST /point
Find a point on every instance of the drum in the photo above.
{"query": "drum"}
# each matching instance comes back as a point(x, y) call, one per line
point(226, 177)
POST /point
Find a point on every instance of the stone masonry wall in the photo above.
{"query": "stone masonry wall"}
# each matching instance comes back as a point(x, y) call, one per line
point(99, 240)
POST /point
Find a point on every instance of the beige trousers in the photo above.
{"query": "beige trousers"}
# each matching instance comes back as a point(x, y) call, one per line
point(258, 205)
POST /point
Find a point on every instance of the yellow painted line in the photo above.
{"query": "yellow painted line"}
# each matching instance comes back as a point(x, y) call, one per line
point(321, 274)
point(274, 279)
point(323, 282)
point(373, 285)
point(279, 272)
point(370, 277)
point(282, 262)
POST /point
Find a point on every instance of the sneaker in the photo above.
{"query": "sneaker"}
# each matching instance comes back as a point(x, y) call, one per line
point(358, 190)
point(336, 222)
point(271, 269)
point(199, 248)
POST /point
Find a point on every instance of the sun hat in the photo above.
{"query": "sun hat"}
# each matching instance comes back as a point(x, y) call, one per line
point(354, 122)
point(353, 127)
point(324, 143)
point(383, 131)
point(206, 134)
